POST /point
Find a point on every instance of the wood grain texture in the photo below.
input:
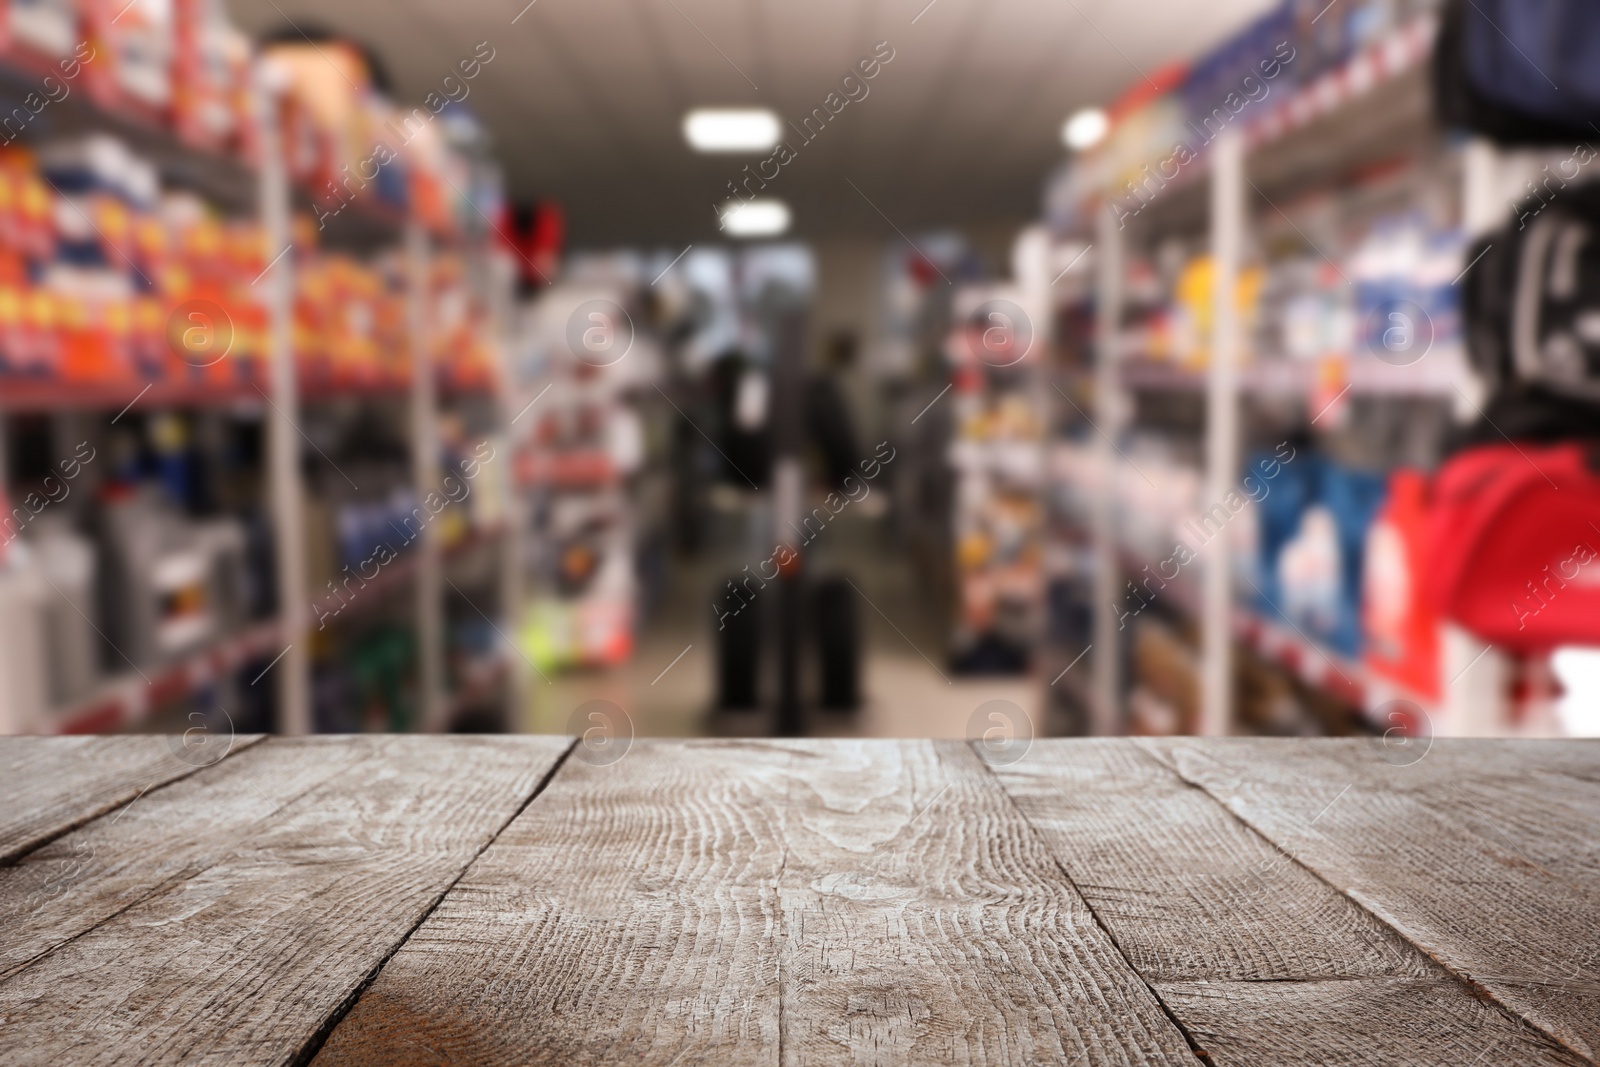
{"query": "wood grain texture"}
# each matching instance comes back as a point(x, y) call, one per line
point(243, 962)
point(1363, 1022)
point(1188, 891)
point(48, 785)
point(756, 904)
point(62, 889)
point(925, 923)
point(1486, 855)
point(629, 915)
point(1262, 962)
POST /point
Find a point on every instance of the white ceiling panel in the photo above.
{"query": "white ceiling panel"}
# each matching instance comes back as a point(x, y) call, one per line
point(585, 97)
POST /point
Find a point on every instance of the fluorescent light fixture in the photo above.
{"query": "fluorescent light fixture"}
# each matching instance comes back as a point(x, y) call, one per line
point(731, 129)
point(755, 218)
point(1085, 129)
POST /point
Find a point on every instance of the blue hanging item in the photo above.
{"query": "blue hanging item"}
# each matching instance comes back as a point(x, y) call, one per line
point(1522, 72)
point(1353, 497)
point(1292, 491)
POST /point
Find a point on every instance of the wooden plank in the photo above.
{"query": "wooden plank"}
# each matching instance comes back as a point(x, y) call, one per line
point(1261, 961)
point(925, 923)
point(1188, 891)
point(630, 915)
point(247, 960)
point(1364, 1022)
point(756, 904)
point(48, 785)
point(1485, 854)
point(65, 888)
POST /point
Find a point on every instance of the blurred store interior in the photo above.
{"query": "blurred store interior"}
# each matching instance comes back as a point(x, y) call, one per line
point(870, 368)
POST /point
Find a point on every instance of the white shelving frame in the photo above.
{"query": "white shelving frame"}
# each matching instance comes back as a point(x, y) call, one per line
point(1222, 430)
point(1491, 180)
point(287, 493)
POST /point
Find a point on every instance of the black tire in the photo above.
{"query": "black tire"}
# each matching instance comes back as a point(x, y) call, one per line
point(838, 645)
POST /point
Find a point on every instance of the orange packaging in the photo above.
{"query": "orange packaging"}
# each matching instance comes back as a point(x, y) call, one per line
point(147, 336)
point(10, 222)
point(36, 235)
point(150, 248)
point(85, 347)
point(41, 340)
point(13, 335)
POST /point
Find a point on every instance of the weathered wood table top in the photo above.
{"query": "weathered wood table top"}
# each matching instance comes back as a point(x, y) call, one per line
point(516, 900)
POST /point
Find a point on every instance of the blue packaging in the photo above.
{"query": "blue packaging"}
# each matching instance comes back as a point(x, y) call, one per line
point(1354, 498)
point(1292, 491)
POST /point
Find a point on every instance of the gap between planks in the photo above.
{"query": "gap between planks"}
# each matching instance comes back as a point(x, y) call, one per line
point(11, 855)
point(1190, 1025)
point(1094, 912)
point(319, 1037)
point(1166, 758)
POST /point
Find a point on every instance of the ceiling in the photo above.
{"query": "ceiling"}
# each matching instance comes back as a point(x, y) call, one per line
point(585, 98)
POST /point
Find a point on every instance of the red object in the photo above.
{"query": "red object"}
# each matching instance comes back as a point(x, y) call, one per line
point(536, 235)
point(1141, 92)
point(923, 271)
point(1402, 628)
point(1514, 545)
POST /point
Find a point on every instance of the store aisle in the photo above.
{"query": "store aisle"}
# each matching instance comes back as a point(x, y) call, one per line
point(667, 687)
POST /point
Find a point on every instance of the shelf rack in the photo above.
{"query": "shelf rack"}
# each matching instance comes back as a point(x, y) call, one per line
point(236, 186)
point(123, 700)
point(1369, 109)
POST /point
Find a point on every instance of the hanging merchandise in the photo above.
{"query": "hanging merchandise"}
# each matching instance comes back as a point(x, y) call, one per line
point(1534, 304)
point(1400, 624)
point(1498, 64)
point(1352, 498)
point(1514, 545)
point(535, 234)
point(1280, 513)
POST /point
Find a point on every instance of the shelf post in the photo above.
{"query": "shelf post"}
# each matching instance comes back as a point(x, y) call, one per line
point(426, 474)
point(501, 284)
point(1106, 683)
point(283, 435)
point(1222, 432)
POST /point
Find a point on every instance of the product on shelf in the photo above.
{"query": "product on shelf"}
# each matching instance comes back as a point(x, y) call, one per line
point(1293, 63)
point(211, 71)
point(577, 446)
point(352, 148)
point(48, 28)
point(104, 282)
point(1402, 627)
point(172, 584)
point(997, 459)
point(1194, 310)
point(136, 53)
point(1165, 692)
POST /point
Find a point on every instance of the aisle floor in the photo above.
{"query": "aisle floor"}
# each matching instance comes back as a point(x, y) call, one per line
point(908, 690)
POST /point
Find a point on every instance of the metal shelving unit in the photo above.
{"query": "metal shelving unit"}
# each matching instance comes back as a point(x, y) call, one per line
point(1372, 107)
point(233, 185)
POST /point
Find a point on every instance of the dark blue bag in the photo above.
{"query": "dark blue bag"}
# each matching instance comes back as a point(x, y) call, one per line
point(1522, 72)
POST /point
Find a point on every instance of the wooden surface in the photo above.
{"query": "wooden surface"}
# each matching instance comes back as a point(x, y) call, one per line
point(431, 901)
